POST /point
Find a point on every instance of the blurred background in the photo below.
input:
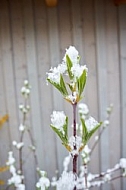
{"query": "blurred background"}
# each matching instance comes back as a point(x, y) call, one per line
point(33, 37)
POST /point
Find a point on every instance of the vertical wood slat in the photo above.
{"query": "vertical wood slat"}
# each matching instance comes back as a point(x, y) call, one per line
point(4, 129)
point(42, 45)
point(20, 69)
point(102, 80)
point(76, 20)
point(65, 29)
point(91, 95)
point(32, 77)
point(8, 74)
point(57, 99)
point(122, 44)
point(113, 76)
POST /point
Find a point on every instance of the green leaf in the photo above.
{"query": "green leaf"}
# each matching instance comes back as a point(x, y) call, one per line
point(57, 86)
point(65, 127)
point(94, 130)
point(69, 65)
point(81, 81)
point(84, 131)
point(58, 132)
point(64, 138)
point(63, 86)
point(71, 87)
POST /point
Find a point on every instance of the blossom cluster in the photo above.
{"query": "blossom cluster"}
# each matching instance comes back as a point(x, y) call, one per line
point(76, 73)
point(16, 178)
point(43, 182)
point(76, 68)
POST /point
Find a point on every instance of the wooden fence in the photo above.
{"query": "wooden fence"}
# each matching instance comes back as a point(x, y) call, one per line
point(33, 37)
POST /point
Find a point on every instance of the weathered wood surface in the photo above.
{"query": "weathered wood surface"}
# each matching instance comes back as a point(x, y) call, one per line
point(33, 37)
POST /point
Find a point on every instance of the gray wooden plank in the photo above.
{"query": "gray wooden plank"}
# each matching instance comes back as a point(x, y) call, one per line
point(32, 70)
point(4, 129)
point(57, 100)
point(102, 79)
point(8, 73)
point(43, 61)
point(113, 77)
point(65, 40)
point(20, 70)
point(122, 44)
point(76, 30)
point(91, 93)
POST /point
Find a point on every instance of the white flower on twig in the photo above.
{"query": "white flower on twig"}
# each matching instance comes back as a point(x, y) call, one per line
point(83, 109)
point(58, 120)
point(73, 55)
point(90, 123)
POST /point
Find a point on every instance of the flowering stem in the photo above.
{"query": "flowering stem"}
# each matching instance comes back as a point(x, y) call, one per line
point(21, 139)
point(100, 134)
point(34, 151)
point(85, 176)
point(74, 134)
point(20, 150)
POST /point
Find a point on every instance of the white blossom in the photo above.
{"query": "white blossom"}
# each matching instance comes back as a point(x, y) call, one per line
point(54, 75)
point(54, 181)
point(96, 138)
point(75, 141)
point(26, 82)
point(33, 148)
point(18, 145)
point(107, 177)
point(106, 123)
point(62, 68)
point(66, 162)
point(20, 187)
point(11, 159)
point(14, 143)
point(90, 123)
point(72, 97)
point(77, 70)
point(66, 181)
point(21, 127)
point(123, 163)
point(23, 108)
point(15, 179)
point(58, 120)
point(90, 177)
point(43, 183)
point(97, 183)
point(83, 109)
point(85, 154)
point(25, 90)
point(12, 169)
point(73, 55)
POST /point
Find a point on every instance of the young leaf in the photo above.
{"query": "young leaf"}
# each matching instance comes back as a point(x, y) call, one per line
point(84, 131)
point(94, 130)
point(69, 65)
point(63, 86)
point(65, 127)
point(56, 86)
point(81, 82)
point(72, 88)
point(60, 134)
